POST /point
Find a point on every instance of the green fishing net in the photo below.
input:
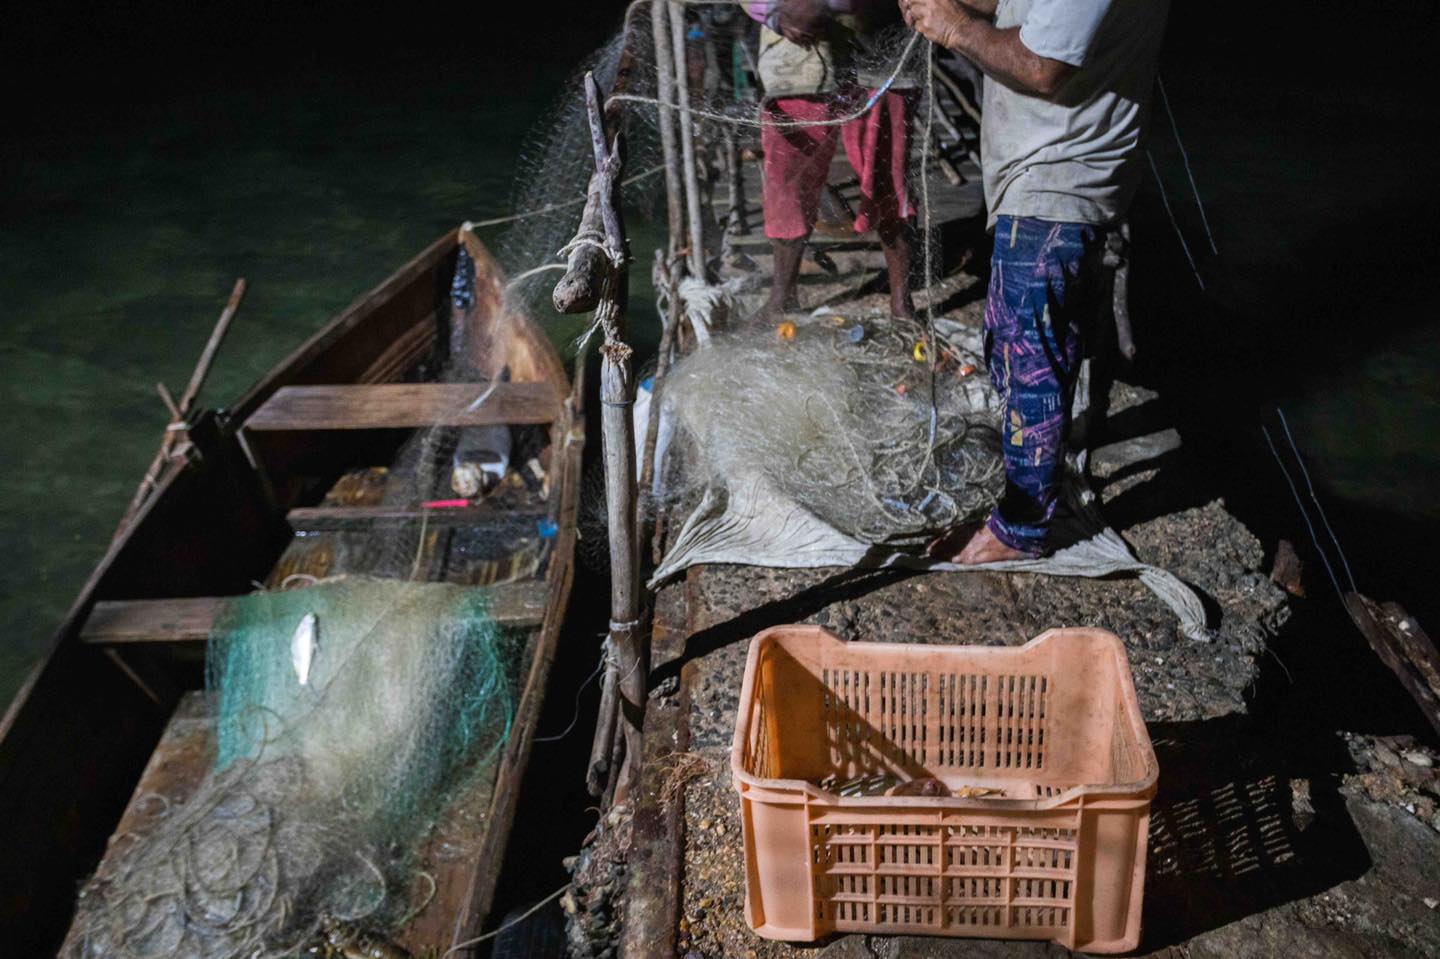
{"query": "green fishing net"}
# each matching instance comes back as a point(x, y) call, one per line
point(347, 716)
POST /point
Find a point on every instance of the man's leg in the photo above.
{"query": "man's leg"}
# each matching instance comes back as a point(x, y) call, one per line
point(878, 146)
point(895, 244)
point(1040, 281)
point(797, 164)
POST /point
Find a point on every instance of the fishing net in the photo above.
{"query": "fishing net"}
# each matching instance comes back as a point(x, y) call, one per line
point(839, 419)
point(347, 716)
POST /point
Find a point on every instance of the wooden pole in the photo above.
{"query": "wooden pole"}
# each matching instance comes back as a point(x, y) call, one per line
point(665, 116)
point(687, 142)
point(207, 357)
point(629, 652)
point(179, 411)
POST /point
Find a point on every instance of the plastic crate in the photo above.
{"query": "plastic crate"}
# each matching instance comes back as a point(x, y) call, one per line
point(1057, 852)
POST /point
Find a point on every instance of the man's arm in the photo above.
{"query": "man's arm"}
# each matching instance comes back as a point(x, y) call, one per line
point(998, 53)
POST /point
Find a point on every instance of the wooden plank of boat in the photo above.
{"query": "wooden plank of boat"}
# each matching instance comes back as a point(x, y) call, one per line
point(315, 518)
point(190, 619)
point(405, 405)
point(81, 733)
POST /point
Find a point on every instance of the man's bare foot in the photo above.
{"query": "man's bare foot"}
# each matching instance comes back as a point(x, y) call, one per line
point(985, 547)
point(970, 545)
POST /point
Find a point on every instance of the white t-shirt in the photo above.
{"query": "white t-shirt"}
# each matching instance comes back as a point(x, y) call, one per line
point(1073, 160)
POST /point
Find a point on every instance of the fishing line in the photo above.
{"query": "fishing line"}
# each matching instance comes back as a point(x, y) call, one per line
point(604, 660)
point(1320, 509)
point(473, 225)
point(1185, 157)
point(1165, 199)
point(1304, 513)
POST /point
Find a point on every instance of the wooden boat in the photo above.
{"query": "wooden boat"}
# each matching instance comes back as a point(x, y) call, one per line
point(113, 712)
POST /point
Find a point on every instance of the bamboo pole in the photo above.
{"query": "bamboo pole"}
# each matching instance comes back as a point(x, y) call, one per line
point(207, 356)
point(687, 142)
point(629, 672)
point(665, 87)
point(180, 410)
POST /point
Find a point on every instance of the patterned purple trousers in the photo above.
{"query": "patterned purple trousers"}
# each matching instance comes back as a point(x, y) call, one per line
point(1043, 283)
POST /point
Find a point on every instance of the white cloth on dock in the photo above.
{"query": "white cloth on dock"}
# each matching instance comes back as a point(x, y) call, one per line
point(754, 524)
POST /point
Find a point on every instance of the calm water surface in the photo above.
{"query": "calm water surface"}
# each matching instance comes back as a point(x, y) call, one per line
point(121, 243)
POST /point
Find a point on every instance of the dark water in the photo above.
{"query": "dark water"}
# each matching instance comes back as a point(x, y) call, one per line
point(1311, 134)
point(125, 223)
point(124, 232)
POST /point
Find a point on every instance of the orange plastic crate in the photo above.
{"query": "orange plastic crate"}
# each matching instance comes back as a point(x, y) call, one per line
point(1057, 852)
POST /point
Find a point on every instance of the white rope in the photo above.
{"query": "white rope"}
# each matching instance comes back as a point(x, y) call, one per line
point(513, 922)
point(870, 102)
point(473, 225)
point(702, 302)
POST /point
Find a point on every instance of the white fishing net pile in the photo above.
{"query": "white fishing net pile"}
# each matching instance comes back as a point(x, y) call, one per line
point(840, 420)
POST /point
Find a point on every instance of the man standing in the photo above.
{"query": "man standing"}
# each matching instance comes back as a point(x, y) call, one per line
point(1062, 130)
point(810, 64)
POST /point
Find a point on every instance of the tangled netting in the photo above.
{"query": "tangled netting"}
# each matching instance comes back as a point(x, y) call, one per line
point(321, 789)
point(840, 419)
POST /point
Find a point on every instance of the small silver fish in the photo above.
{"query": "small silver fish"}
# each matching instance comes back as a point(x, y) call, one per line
point(304, 644)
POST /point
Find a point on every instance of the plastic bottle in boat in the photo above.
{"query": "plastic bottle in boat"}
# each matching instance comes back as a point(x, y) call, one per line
point(482, 458)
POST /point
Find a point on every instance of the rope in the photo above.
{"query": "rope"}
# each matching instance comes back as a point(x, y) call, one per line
point(870, 102)
point(513, 922)
point(575, 718)
point(473, 225)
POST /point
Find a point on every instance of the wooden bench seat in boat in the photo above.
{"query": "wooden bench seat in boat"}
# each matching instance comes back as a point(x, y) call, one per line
point(190, 619)
point(317, 518)
point(405, 406)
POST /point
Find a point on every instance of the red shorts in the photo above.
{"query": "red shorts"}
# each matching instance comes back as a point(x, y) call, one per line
point(797, 159)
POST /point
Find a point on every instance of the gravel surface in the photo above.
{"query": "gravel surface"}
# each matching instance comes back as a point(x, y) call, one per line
point(1270, 835)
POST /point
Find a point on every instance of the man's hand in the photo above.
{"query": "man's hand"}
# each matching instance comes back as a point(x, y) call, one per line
point(1000, 54)
point(802, 21)
point(940, 21)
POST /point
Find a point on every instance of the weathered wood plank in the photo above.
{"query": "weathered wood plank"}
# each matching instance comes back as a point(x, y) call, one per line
point(405, 405)
point(317, 518)
point(1402, 646)
point(190, 619)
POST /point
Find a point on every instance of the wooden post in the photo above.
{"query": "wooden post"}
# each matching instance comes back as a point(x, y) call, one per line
point(665, 116)
point(687, 142)
point(602, 231)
